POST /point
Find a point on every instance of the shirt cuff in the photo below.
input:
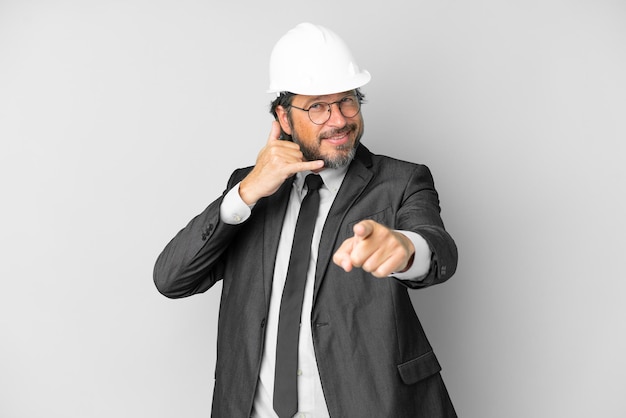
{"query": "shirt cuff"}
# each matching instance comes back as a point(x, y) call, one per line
point(234, 210)
point(421, 261)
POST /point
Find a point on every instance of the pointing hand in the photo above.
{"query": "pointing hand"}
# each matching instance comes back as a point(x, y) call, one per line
point(376, 249)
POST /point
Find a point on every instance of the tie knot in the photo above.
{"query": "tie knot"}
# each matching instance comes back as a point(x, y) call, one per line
point(313, 181)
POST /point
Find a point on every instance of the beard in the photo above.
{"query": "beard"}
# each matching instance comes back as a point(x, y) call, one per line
point(344, 153)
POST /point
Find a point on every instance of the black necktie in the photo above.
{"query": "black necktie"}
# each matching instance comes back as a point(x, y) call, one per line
point(285, 383)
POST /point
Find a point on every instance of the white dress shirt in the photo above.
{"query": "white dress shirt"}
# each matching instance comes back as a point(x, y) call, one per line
point(311, 402)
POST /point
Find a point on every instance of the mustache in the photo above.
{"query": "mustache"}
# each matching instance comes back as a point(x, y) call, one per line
point(350, 127)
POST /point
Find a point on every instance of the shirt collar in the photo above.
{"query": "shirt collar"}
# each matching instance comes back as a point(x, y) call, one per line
point(333, 177)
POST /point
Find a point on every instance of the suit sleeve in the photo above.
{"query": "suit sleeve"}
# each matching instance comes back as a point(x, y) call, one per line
point(192, 262)
point(420, 213)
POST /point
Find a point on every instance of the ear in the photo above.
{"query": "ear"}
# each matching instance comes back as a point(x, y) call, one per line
point(283, 119)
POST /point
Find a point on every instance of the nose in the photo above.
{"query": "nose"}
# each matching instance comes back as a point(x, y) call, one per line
point(337, 119)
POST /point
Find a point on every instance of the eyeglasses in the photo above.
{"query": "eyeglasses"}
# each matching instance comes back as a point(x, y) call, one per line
point(319, 112)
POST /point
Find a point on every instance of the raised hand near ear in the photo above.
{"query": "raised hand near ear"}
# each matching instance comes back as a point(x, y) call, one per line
point(277, 161)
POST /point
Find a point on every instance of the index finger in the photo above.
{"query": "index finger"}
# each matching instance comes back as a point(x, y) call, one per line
point(306, 166)
point(363, 229)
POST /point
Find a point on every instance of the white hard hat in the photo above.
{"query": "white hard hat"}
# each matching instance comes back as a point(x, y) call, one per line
point(313, 60)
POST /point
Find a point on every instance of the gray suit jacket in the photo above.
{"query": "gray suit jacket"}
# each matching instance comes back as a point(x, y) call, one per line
point(373, 356)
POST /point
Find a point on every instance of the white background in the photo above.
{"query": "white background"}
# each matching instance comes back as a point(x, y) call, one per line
point(120, 120)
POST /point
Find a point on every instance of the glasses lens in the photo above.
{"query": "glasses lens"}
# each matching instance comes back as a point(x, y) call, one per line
point(319, 113)
point(349, 106)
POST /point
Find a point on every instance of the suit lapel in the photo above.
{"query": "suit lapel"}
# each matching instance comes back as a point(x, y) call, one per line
point(357, 178)
point(276, 206)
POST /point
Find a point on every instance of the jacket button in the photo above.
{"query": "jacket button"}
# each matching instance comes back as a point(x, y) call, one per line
point(263, 323)
point(207, 231)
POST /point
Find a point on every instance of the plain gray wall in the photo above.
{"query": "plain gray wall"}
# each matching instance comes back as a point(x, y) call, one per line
point(120, 120)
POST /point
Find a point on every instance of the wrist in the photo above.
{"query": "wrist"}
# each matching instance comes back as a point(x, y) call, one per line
point(410, 248)
point(246, 193)
point(409, 263)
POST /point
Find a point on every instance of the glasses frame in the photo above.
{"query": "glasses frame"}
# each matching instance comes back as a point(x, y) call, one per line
point(329, 107)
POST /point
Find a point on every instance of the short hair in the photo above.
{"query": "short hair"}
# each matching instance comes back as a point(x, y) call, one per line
point(284, 99)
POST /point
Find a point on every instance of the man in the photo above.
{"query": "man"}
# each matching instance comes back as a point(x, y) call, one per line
point(359, 349)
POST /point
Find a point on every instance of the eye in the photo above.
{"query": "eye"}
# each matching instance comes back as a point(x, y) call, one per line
point(317, 107)
point(348, 100)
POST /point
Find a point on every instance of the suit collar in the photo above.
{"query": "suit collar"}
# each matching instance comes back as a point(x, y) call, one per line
point(273, 225)
point(356, 180)
point(332, 177)
point(363, 156)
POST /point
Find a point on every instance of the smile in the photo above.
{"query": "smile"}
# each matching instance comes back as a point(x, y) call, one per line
point(337, 139)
